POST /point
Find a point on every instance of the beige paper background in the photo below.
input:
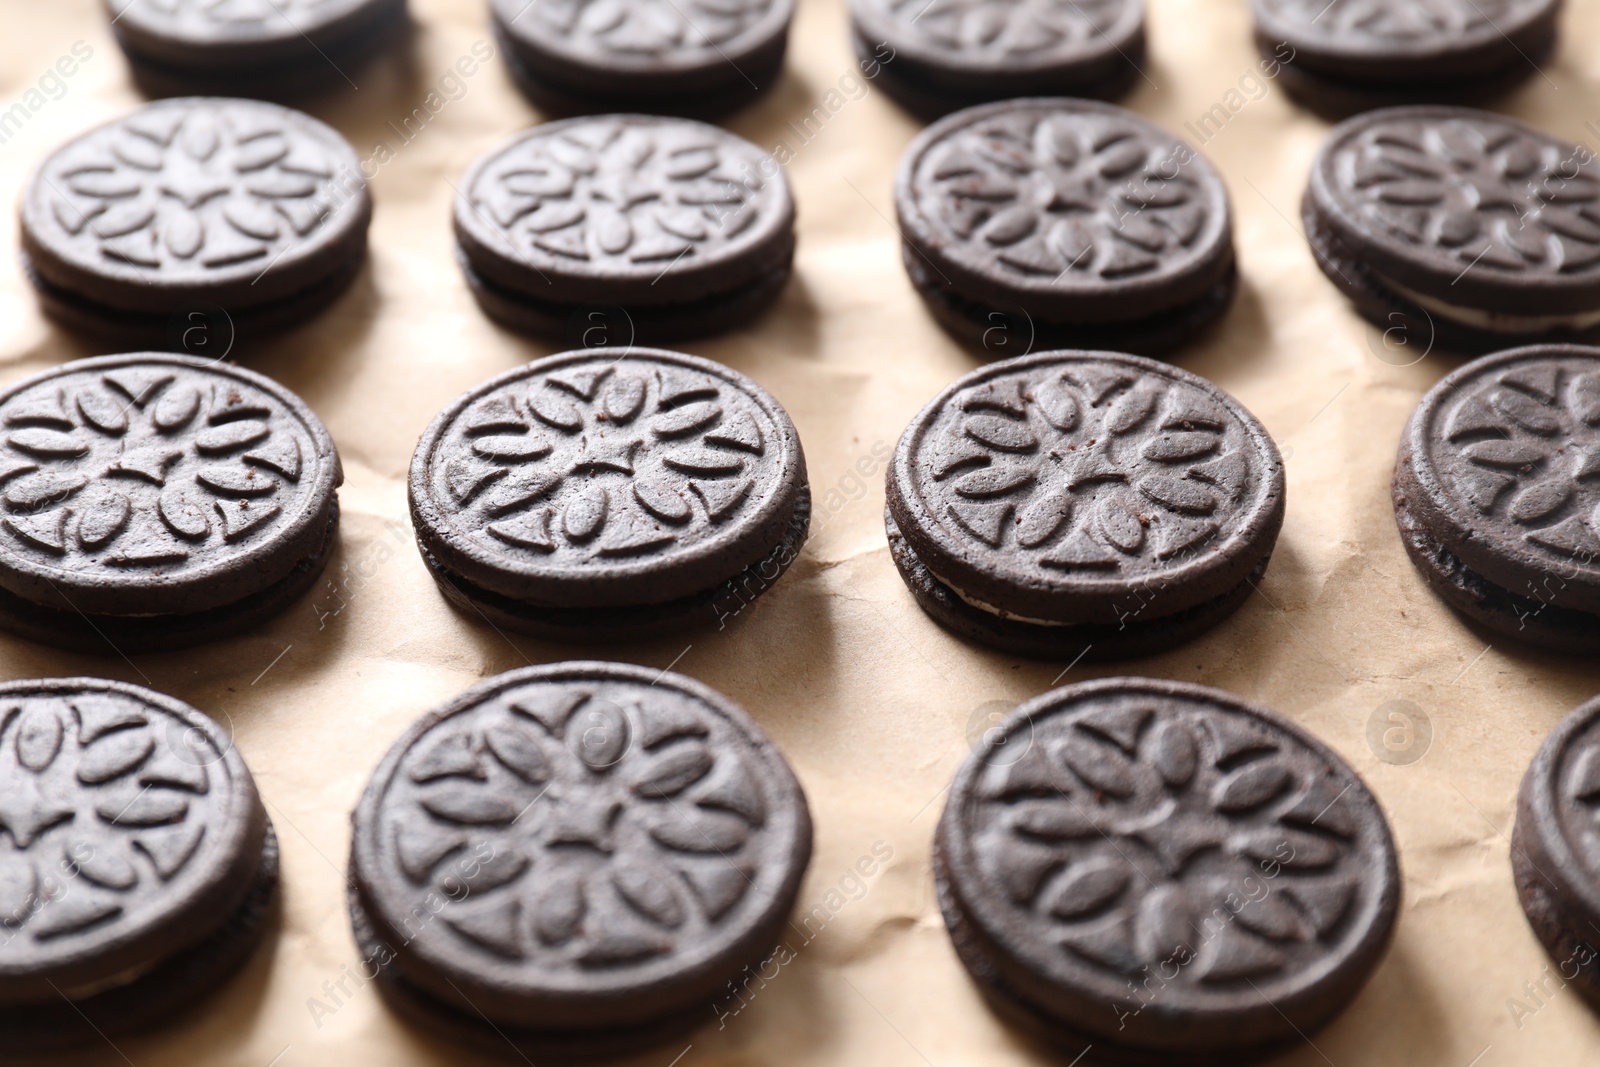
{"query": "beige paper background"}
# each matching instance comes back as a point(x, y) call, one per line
point(871, 702)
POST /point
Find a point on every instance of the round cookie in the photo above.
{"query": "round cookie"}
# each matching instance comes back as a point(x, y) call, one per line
point(1494, 493)
point(272, 48)
point(195, 204)
point(1083, 504)
point(601, 849)
point(1554, 859)
point(1164, 871)
point(141, 866)
point(1459, 227)
point(1350, 56)
point(151, 501)
point(674, 228)
point(596, 496)
point(1076, 223)
point(953, 54)
point(656, 56)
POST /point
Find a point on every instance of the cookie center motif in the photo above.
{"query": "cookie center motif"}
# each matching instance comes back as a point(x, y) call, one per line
point(1487, 196)
point(571, 831)
point(598, 462)
point(146, 469)
point(104, 801)
point(1521, 447)
point(1137, 838)
point(653, 28)
point(1052, 197)
point(1389, 20)
point(999, 28)
point(193, 190)
point(648, 196)
point(1095, 470)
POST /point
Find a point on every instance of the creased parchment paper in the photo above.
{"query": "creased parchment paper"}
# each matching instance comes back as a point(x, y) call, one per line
point(872, 703)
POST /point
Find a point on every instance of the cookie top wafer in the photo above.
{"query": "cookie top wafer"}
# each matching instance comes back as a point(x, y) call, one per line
point(1086, 486)
point(132, 829)
point(1130, 826)
point(608, 840)
point(156, 484)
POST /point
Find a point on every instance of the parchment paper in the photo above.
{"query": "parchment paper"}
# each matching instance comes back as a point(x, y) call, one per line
point(873, 704)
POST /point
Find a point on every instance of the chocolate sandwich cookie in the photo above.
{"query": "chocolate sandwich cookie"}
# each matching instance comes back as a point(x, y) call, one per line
point(150, 501)
point(600, 850)
point(1495, 493)
point(699, 58)
point(1064, 223)
point(1086, 505)
point(249, 215)
point(625, 228)
point(593, 496)
point(1165, 872)
point(1346, 56)
point(266, 48)
point(939, 57)
point(140, 867)
point(1459, 227)
point(1555, 858)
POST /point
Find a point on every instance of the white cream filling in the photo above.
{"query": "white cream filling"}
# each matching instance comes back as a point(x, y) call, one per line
point(990, 608)
point(1493, 321)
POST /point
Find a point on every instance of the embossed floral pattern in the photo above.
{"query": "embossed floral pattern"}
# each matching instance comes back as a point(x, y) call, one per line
point(997, 28)
point(147, 468)
point(1136, 833)
point(604, 460)
point(1520, 445)
point(1490, 194)
point(613, 192)
point(180, 190)
point(1062, 197)
point(103, 801)
point(1389, 20)
point(599, 832)
point(1093, 468)
point(645, 28)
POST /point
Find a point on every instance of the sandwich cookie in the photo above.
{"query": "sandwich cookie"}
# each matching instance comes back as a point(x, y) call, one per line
point(941, 57)
point(150, 501)
point(1496, 495)
point(1056, 223)
point(259, 48)
point(1165, 872)
point(699, 58)
point(1459, 227)
point(139, 869)
point(1350, 56)
point(591, 496)
point(1087, 505)
point(1554, 855)
point(602, 850)
point(625, 228)
point(238, 211)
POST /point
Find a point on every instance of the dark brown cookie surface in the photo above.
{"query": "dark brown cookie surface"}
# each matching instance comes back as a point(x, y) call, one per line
point(1165, 869)
point(626, 208)
point(588, 479)
point(1086, 487)
point(610, 845)
point(701, 57)
point(151, 485)
point(196, 201)
point(1069, 210)
point(1555, 850)
point(134, 831)
point(1497, 470)
point(1477, 220)
point(956, 53)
